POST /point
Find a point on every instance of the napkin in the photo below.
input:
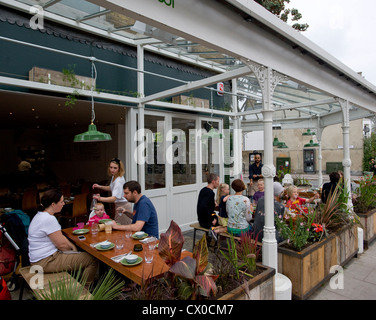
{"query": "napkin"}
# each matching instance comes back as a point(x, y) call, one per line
point(120, 257)
point(146, 240)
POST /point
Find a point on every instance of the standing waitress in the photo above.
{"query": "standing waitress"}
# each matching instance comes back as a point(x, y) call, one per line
point(116, 172)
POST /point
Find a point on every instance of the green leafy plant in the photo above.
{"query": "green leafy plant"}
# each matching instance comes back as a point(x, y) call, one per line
point(365, 199)
point(248, 249)
point(73, 288)
point(232, 257)
point(70, 77)
point(296, 231)
point(189, 274)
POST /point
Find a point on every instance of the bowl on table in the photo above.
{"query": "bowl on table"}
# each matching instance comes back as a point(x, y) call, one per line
point(106, 244)
point(131, 258)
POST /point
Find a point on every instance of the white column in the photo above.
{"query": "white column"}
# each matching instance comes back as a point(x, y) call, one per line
point(268, 80)
point(346, 162)
point(237, 135)
point(319, 157)
point(141, 114)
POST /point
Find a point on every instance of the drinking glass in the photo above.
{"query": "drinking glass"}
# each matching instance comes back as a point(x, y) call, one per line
point(128, 234)
point(119, 243)
point(152, 242)
point(148, 254)
point(108, 227)
point(94, 229)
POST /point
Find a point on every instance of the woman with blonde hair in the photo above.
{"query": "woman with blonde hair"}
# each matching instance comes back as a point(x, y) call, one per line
point(223, 192)
point(123, 208)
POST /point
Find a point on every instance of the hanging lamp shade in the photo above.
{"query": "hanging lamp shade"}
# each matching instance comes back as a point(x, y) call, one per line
point(308, 133)
point(311, 144)
point(275, 142)
point(282, 145)
point(212, 133)
point(92, 135)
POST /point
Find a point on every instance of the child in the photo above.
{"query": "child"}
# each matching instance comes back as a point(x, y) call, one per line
point(98, 214)
point(260, 193)
point(222, 195)
point(295, 204)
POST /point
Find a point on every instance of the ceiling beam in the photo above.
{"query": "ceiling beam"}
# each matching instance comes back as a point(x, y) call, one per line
point(198, 84)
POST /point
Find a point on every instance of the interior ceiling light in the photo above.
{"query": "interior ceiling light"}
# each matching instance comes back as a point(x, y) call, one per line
point(92, 135)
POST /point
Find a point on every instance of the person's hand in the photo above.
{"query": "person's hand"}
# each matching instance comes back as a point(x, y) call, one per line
point(96, 186)
point(114, 225)
point(96, 196)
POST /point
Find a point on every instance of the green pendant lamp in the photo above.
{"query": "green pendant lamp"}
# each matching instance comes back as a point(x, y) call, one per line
point(275, 142)
point(282, 145)
point(212, 133)
point(308, 133)
point(92, 135)
point(311, 144)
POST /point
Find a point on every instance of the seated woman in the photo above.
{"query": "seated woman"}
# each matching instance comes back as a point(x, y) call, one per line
point(47, 243)
point(295, 204)
point(239, 210)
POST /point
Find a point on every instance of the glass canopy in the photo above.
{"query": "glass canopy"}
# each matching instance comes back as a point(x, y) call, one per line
point(291, 99)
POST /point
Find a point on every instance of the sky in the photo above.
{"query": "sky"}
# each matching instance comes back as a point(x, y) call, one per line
point(344, 28)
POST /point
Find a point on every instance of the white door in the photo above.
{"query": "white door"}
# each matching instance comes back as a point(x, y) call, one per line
point(176, 160)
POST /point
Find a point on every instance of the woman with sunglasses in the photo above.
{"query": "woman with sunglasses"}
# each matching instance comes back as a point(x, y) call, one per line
point(116, 172)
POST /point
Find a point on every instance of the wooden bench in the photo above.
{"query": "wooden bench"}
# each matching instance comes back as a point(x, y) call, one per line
point(220, 235)
point(196, 226)
point(48, 278)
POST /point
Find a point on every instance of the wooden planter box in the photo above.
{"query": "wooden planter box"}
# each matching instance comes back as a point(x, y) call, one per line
point(191, 101)
point(260, 287)
point(310, 268)
point(58, 78)
point(368, 221)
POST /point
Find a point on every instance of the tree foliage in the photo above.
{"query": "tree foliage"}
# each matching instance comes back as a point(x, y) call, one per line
point(278, 8)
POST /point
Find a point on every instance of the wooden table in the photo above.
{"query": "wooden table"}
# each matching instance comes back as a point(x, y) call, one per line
point(138, 273)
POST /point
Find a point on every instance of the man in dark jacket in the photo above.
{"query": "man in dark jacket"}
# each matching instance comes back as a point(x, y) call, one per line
point(255, 173)
point(206, 203)
point(329, 187)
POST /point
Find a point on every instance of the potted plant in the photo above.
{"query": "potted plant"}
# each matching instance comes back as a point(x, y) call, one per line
point(364, 201)
point(73, 288)
point(197, 278)
point(314, 242)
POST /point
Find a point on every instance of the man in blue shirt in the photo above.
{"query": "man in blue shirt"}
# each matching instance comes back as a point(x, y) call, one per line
point(145, 216)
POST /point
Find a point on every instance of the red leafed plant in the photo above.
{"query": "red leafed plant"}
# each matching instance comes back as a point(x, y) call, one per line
point(190, 276)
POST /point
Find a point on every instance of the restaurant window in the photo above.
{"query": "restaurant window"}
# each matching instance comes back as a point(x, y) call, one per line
point(183, 151)
point(210, 149)
point(154, 152)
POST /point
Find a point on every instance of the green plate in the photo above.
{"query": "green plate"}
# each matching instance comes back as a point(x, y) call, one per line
point(102, 249)
point(125, 263)
point(104, 220)
point(140, 238)
point(80, 231)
